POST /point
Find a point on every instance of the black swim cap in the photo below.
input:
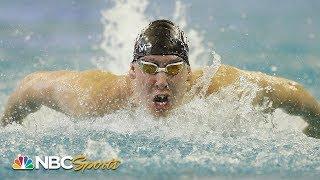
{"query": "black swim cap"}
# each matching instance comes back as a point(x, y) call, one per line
point(161, 37)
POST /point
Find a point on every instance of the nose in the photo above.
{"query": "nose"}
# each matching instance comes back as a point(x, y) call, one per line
point(161, 81)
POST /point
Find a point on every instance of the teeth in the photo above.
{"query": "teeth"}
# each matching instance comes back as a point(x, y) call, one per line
point(161, 98)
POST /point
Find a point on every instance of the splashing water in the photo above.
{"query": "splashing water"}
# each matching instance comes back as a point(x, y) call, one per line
point(220, 136)
point(123, 23)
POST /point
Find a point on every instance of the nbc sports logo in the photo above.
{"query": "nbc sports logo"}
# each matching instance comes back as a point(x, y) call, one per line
point(78, 163)
point(22, 162)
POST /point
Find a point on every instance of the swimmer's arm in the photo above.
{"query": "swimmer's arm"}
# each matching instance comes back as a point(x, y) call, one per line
point(282, 93)
point(293, 98)
point(21, 102)
point(77, 94)
point(44, 89)
point(39, 89)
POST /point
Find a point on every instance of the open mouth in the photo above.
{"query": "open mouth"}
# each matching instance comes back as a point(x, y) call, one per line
point(161, 101)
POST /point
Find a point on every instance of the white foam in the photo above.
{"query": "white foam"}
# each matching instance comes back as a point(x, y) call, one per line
point(122, 23)
point(202, 120)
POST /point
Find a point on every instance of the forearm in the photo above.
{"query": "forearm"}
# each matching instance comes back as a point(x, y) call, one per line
point(295, 100)
point(23, 101)
point(303, 104)
point(18, 107)
point(309, 109)
point(287, 95)
point(45, 88)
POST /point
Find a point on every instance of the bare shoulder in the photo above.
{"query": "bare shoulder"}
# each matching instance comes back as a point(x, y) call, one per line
point(99, 77)
point(95, 82)
point(48, 74)
point(227, 72)
point(42, 78)
point(265, 80)
point(224, 71)
point(228, 75)
point(97, 74)
point(66, 81)
point(67, 76)
point(225, 76)
point(107, 91)
point(79, 93)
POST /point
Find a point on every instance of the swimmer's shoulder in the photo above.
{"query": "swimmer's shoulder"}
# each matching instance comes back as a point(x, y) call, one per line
point(224, 76)
point(107, 90)
point(232, 74)
point(88, 78)
point(224, 71)
point(91, 72)
point(98, 75)
point(227, 75)
point(100, 79)
point(265, 79)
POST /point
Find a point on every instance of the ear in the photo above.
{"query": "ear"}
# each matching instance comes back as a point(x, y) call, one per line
point(132, 72)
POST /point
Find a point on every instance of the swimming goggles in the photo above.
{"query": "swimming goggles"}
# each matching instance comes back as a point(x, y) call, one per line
point(152, 68)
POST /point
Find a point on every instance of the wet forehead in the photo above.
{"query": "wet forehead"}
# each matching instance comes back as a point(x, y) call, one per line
point(162, 59)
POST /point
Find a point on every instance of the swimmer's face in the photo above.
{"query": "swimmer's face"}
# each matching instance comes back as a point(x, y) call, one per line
point(160, 91)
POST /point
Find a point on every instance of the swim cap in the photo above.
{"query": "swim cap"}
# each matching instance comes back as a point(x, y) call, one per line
point(161, 37)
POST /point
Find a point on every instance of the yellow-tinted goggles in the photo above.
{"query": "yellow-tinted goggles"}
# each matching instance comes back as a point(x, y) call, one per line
point(151, 68)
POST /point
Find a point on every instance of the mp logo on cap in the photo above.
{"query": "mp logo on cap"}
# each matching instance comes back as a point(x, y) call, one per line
point(144, 47)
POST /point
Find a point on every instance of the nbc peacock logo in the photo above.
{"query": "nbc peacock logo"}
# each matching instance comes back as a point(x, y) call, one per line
point(23, 163)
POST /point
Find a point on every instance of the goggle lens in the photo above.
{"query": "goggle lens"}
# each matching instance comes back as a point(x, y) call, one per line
point(149, 68)
point(170, 69)
point(174, 69)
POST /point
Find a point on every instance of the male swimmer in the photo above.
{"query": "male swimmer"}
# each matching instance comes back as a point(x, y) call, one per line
point(159, 78)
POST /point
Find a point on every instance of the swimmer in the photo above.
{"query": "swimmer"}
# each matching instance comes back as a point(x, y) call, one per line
point(159, 78)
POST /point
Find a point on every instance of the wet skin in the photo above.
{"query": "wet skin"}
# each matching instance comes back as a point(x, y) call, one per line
point(96, 93)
